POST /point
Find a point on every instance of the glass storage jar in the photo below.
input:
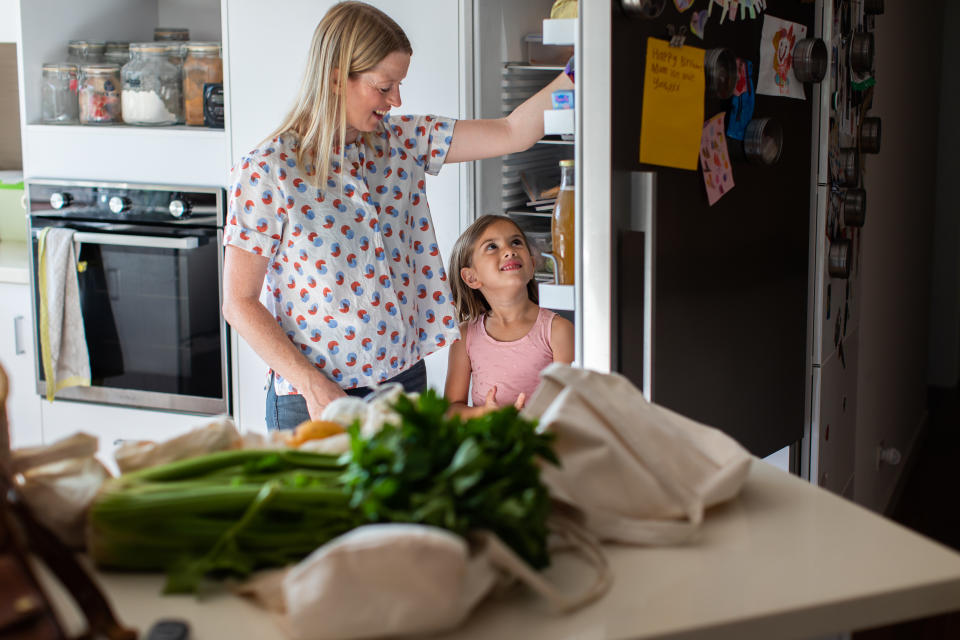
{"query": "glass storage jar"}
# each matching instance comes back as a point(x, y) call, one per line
point(85, 51)
point(171, 33)
point(58, 93)
point(151, 86)
point(201, 65)
point(99, 94)
point(117, 53)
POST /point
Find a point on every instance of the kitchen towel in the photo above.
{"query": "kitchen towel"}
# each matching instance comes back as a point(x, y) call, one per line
point(63, 343)
point(639, 473)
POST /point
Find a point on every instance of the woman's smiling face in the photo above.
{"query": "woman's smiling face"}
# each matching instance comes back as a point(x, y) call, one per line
point(371, 94)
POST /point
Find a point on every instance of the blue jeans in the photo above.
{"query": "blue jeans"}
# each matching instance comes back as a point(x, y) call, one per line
point(286, 412)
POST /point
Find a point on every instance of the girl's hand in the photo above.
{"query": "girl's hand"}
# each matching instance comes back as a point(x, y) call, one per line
point(490, 403)
point(521, 400)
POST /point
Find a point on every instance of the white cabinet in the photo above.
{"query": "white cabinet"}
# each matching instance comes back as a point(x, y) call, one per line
point(17, 355)
point(111, 425)
point(9, 20)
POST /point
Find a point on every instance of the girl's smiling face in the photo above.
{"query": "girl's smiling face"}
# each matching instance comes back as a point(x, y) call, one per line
point(371, 94)
point(500, 257)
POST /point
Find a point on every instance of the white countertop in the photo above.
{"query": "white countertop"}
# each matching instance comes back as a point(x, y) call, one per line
point(785, 559)
point(14, 262)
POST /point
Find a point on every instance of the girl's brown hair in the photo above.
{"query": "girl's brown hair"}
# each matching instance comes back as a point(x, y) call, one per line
point(470, 303)
point(353, 37)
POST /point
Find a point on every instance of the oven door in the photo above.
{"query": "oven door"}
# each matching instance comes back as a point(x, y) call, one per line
point(150, 300)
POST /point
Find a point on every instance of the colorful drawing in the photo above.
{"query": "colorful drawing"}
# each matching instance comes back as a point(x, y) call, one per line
point(776, 58)
point(714, 159)
point(728, 8)
point(698, 20)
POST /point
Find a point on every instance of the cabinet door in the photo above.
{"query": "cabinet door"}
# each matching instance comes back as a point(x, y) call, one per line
point(111, 425)
point(17, 355)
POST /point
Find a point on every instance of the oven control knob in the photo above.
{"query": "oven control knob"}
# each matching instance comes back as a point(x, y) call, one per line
point(119, 204)
point(179, 208)
point(60, 200)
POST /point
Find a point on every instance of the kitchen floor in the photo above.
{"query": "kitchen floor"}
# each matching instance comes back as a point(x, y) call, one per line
point(929, 505)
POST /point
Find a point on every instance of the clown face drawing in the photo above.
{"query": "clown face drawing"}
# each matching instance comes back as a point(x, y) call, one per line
point(783, 41)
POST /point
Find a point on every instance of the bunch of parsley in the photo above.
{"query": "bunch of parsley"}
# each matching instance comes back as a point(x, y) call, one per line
point(481, 473)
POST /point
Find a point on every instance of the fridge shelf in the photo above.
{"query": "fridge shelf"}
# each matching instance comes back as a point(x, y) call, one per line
point(557, 296)
point(558, 121)
point(560, 31)
point(526, 66)
point(553, 139)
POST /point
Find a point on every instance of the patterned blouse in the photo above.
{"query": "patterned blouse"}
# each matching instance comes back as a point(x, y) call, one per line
point(355, 278)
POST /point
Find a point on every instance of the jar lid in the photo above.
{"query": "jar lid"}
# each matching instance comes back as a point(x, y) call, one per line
point(118, 46)
point(148, 47)
point(171, 33)
point(59, 66)
point(203, 47)
point(566, 163)
point(100, 68)
point(90, 44)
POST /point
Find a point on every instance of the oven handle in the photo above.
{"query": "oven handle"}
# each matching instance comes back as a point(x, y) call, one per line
point(116, 239)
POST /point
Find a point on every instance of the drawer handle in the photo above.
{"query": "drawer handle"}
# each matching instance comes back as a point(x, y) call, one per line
point(18, 347)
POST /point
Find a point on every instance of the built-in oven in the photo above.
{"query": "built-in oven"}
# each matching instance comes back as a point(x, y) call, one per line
point(149, 265)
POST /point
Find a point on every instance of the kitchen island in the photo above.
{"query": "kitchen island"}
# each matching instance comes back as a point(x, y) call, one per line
point(785, 559)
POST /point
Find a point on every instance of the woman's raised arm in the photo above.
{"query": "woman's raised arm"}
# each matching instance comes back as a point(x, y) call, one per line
point(478, 139)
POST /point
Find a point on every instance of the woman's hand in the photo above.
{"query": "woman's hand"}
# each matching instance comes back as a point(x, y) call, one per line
point(488, 138)
point(319, 394)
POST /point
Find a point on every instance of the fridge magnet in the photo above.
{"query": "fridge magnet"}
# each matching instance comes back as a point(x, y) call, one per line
point(741, 104)
point(776, 58)
point(698, 20)
point(714, 159)
point(683, 5)
point(671, 120)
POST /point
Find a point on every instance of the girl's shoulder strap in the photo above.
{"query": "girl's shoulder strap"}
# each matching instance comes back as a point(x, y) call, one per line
point(544, 324)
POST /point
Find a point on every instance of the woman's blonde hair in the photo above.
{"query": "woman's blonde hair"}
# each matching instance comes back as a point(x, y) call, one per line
point(353, 37)
point(470, 303)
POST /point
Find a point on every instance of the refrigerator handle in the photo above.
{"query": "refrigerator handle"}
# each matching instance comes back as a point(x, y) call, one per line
point(643, 198)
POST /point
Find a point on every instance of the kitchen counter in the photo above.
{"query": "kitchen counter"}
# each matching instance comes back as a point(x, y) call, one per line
point(785, 559)
point(14, 262)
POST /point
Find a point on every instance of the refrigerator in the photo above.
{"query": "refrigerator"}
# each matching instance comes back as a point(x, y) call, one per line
point(710, 304)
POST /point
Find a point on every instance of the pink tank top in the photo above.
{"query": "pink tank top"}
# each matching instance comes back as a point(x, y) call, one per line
point(514, 367)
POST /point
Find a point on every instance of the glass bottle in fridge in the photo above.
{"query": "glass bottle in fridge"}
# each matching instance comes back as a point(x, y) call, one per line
point(151, 86)
point(201, 65)
point(58, 93)
point(562, 224)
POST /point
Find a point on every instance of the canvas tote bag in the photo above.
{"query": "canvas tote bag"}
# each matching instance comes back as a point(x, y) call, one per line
point(401, 579)
point(640, 473)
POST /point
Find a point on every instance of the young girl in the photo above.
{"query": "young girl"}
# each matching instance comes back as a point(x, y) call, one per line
point(507, 339)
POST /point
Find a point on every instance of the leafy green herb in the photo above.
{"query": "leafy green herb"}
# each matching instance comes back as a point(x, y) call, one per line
point(478, 474)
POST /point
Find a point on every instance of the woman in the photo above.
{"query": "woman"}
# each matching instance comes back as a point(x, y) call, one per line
point(331, 210)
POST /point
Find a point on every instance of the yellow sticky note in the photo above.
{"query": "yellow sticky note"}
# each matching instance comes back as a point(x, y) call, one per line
point(672, 118)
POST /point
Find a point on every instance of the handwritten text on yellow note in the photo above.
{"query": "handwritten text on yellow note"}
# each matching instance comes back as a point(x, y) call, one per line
point(672, 119)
